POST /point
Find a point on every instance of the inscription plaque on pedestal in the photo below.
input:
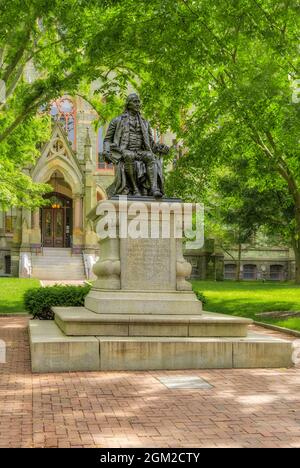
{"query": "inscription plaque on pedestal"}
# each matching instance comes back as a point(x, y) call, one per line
point(148, 264)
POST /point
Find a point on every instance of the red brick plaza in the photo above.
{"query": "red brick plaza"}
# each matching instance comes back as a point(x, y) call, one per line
point(244, 408)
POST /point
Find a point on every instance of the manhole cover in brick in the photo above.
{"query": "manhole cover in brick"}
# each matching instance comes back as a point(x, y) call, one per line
point(185, 382)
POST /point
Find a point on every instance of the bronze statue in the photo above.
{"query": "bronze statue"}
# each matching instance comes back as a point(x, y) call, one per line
point(130, 146)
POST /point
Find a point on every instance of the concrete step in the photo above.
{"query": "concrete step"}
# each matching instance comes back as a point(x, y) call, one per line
point(53, 351)
point(78, 321)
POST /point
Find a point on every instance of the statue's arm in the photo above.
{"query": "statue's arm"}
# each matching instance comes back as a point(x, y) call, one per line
point(108, 142)
point(157, 148)
point(109, 137)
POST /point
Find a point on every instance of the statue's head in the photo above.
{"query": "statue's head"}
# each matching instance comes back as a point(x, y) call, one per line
point(133, 102)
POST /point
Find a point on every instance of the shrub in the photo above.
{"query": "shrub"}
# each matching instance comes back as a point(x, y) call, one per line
point(39, 301)
point(201, 297)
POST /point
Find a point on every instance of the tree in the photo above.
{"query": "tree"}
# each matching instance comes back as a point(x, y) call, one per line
point(227, 71)
point(48, 48)
point(245, 210)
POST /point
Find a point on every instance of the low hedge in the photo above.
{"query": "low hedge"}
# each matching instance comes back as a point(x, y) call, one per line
point(39, 301)
point(201, 297)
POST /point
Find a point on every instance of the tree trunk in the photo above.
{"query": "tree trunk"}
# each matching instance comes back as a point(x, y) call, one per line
point(296, 248)
point(238, 264)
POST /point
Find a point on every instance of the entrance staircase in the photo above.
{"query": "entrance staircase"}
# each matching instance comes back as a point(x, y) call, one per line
point(57, 264)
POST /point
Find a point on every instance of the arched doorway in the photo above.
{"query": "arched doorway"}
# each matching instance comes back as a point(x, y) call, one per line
point(56, 221)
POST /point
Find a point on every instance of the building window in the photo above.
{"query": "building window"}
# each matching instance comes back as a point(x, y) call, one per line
point(230, 271)
point(63, 111)
point(276, 272)
point(9, 224)
point(7, 264)
point(249, 272)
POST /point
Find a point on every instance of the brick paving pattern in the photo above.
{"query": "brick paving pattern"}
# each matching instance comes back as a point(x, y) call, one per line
point(245, 408)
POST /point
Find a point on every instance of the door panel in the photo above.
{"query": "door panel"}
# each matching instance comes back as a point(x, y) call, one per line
point(47, 227)
point(58, 227)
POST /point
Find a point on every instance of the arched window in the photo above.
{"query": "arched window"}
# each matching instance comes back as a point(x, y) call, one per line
point(63, 111)
point(230, 271)
point(250, 272)
point(276, 272)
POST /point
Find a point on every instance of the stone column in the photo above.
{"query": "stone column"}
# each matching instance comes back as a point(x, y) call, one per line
point(2, 223)
point(90, 237)
point(77, 224)
point(35, 234)
point(26, 229)
point(16, 242)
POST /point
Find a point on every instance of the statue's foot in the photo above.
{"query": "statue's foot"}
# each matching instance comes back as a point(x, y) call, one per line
point(156, 194)
point(137, 193)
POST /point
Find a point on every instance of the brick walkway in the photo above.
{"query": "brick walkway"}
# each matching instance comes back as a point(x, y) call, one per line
point(245, 408)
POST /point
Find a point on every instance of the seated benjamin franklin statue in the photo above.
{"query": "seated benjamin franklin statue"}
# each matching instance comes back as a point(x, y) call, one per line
point(130, 146)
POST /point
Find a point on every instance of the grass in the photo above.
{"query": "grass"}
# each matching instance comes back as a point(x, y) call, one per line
point(11, 293)
point(244, 299)
point(247, 298)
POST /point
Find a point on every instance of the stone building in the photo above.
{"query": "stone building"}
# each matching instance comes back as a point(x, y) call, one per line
point(261, 263)
point(258, 262)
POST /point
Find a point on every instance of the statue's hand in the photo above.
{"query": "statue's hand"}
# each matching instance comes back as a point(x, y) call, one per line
point(162, 148)
point(106, 156)
point(128, 155)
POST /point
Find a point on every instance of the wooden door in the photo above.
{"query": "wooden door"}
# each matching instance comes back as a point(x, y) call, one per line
point(53, 227)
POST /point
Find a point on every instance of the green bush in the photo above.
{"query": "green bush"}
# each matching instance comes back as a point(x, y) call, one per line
point(39, 301)
point(201, 297)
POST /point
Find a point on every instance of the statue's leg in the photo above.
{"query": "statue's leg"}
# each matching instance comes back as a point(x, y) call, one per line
point(150, 162)
point(129, 158)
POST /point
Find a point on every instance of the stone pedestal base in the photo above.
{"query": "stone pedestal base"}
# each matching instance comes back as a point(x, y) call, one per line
point(143, 302)
point(141, 313)
point(81, 340)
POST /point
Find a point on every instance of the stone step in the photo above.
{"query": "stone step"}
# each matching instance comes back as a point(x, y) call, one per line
point(52, 251)
point(166, 302)
point(52, 351)
point(79, 321)
point(57, 276)
point(58, 273)
point(57, 264)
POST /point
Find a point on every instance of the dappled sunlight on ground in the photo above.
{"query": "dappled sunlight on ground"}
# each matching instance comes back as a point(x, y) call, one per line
point(244, 407)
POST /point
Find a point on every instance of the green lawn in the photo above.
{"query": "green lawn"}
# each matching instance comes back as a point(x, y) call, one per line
point(11, 293)
point(248, 298)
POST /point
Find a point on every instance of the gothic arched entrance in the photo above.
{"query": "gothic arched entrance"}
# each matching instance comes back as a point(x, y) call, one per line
point(56, 221)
